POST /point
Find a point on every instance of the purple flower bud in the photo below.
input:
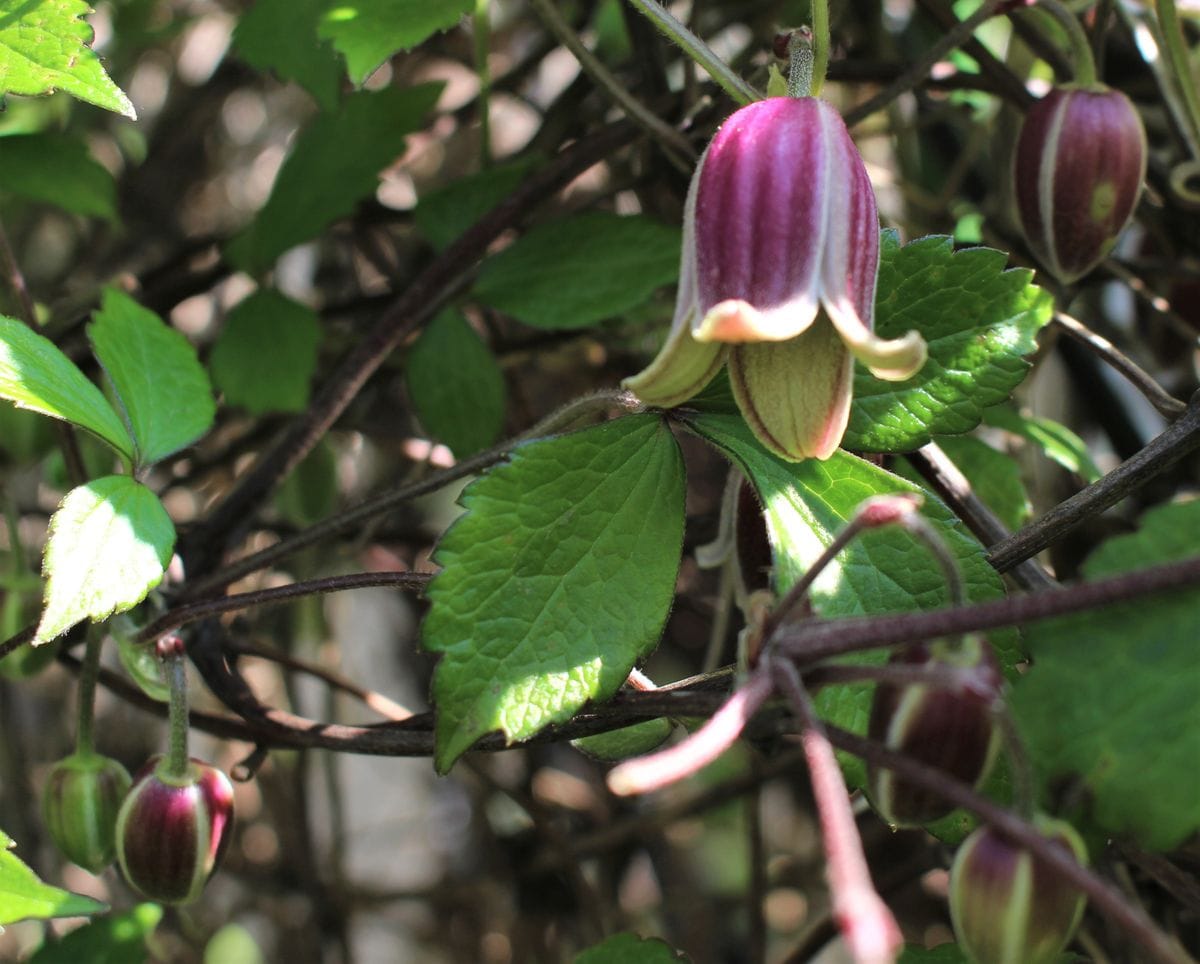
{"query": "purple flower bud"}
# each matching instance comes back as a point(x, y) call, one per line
point(951, 729)
point(172, 832)
point(1008, 906)
point(79, 805)
point(1077, 175)
point(781, 244)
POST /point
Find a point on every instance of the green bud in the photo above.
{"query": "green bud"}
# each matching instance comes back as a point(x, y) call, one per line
point(79, 805)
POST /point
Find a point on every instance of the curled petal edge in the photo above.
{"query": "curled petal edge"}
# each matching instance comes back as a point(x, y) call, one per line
point(892, 360)
point(682, 368)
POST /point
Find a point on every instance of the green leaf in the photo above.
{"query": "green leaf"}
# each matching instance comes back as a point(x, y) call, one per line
point(266, 354)
point(577, 272)
point(630, 949)
point(161, 387)
point(555, 581)
point(36, 375)
point(367, 32)
point(23, 896)
point(882, 571)
point(334, 164)
point(1111, 698)
point(113, 939)
point(445, 213)
point(1057, 442)
point(109, 543)
point(310, 493)
point(979, 320)
point(626, 742)
point(456, 385)
point(57, 169)
point(44, 47)
point(281, 36)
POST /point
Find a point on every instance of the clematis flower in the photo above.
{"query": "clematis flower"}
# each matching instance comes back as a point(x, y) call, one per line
point(777, 277)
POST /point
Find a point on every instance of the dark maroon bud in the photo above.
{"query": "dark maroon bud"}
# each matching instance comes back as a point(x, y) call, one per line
point(1008, 906)
point(170, 646)
point(79, 805)
point(172, 831)
point(948, 728)
point(1077, 176)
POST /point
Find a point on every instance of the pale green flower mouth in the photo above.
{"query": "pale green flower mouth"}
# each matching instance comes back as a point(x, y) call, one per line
point(777, 277)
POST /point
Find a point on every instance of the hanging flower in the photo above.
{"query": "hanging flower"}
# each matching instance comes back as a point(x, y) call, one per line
point(780, 257)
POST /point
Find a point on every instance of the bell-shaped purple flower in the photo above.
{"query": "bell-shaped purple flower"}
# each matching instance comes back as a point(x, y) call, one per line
point(781, 244)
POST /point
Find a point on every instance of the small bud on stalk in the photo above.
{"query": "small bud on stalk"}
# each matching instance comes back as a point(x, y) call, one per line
point(1007, 906)
point(79, 805)
point(951, 729)
point(172, 831)
point(1077, 176)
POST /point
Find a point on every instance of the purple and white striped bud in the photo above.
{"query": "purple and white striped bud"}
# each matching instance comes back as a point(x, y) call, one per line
point(173, 831)
point(1007, 906)
point(948, 728)
point(1077, 176)
point(79, 805)
point(781, 245)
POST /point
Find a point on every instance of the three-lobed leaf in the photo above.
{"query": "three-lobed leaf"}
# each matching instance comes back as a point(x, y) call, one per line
point(882, 571)
point(36, 375)
point(334, 163)
point(44, 47)
point(23, 896)
point(367, 32)
point(555, 581)
point(579, 271)
point(1111, 698)
point(109, 544)
point(979, 321)
point(160, 386)
point(266, 354)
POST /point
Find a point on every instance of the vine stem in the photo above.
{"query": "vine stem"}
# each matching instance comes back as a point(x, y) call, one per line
point(1082, 61)
point(483, 42)
point(177, 720)
point(677, 147)
point(866, 923)
point(821, 44)
point(697, 50)
point(204, 609)
point(85, 744)
point(1178, 440)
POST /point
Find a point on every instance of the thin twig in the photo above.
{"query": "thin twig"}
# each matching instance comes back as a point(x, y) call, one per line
point(677, 148)
point(193, 612)
point(1178, 440)
point(1166, 404)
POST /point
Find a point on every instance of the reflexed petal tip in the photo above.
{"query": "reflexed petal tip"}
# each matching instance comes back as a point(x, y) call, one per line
point(682, 368)
point(736, 322)
point(892, 360)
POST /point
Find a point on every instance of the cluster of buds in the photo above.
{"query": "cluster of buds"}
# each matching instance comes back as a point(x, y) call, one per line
point(777, 277)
